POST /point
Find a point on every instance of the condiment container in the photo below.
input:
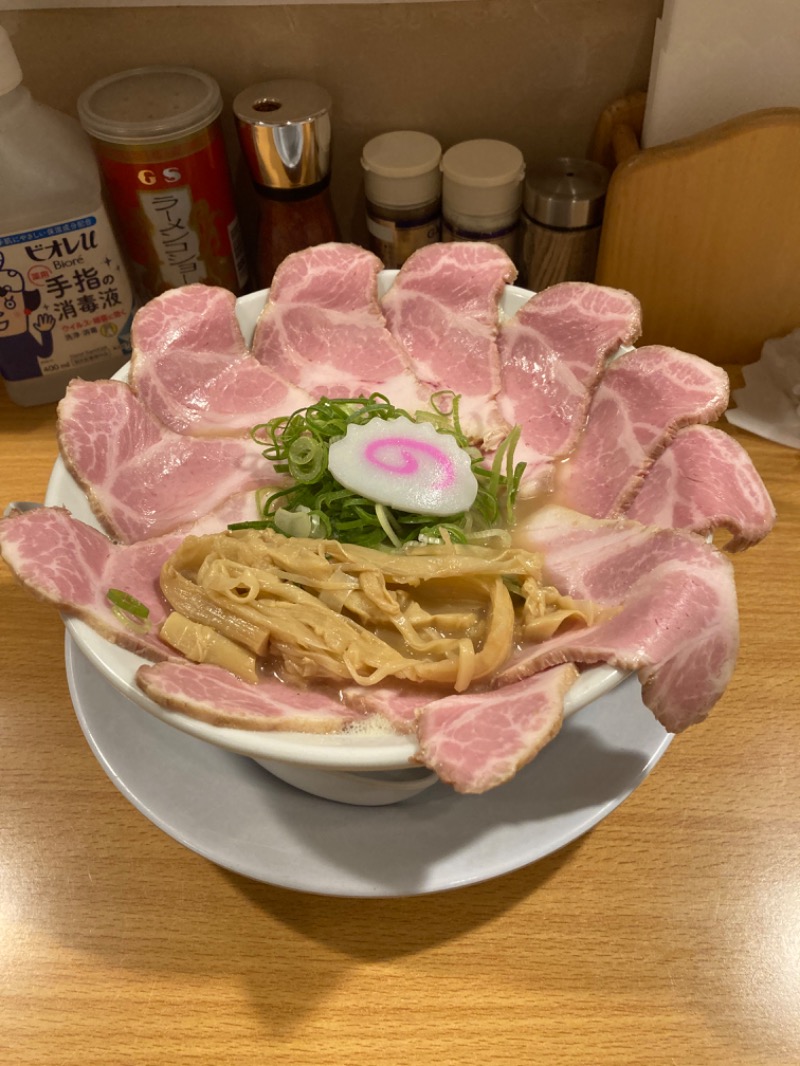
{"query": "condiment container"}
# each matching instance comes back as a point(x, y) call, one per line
point(157, 134)
point(66, 300)
point(284, 128)
point(561, 222)
point(482, 193)
point(403, 189)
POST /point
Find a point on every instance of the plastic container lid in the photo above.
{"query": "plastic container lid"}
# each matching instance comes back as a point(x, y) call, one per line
point(10, 71)
point(483, 178)
point(567, 194)
point(149, 105)
point(401, 169)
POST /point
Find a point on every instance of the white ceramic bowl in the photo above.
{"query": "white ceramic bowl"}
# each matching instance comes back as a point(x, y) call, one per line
point(362, 769)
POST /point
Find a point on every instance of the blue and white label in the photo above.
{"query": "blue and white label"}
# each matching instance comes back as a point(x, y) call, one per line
point(65, 298)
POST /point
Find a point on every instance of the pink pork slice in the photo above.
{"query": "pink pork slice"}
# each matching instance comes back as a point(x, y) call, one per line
point(642, 400)
point(443, 307)
point(212, 695)
point(552, 353)
point(477, 741)
point(193, 370)
point(397, 703)
point(705, 480)
point(141, 479)
point(323, 328)
point(678, 620)
point(71, 566)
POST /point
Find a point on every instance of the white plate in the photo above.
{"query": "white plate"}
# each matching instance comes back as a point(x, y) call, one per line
point(321, 752)
point(234, 813)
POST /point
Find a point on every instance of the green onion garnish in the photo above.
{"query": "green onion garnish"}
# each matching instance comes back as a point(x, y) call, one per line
point(129, 610)
point(297, 445)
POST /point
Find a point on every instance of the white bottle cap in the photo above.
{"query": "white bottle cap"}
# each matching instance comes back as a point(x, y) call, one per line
point(482, 178)
point(401, 169)
point(10, 71)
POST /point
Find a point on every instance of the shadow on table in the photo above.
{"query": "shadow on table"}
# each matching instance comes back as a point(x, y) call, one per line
point(231, 810)
point(440, 840)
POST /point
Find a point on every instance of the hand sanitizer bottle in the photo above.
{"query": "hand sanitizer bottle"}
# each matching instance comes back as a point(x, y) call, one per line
point(66, 301)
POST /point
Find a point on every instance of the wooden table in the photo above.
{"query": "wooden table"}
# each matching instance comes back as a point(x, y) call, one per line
point(670, 934)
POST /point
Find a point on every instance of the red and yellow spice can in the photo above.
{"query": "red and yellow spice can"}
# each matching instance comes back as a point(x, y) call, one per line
point(157, 136)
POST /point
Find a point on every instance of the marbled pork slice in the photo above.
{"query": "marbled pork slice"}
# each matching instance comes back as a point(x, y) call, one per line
point(705, 480)
point(140, 478)
point(642, 400)
point(193, 370)
point(397, 703)
point(71, 566)
point(677, 623)
point(443, 307)
point(477, 741)
point(323, 328)
point(552, 353)
point(213, 695)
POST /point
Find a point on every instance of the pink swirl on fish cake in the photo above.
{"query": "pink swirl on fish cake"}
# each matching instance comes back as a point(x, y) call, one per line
point(410, 465)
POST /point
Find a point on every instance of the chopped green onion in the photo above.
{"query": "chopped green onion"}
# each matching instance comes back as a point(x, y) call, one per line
point(297, 445)
point(130, 611)
point(307, 460)
point(384, 514)
point(301, 523)
point(258, 524)
point(127, 603)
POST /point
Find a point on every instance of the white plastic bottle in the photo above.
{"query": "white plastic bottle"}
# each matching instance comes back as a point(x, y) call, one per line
point(403, 192)
point(66, 301)
point(482, 193)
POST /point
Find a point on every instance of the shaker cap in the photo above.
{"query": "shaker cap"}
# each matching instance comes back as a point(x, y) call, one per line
point(567, 193)
point(482, 177)
point(284, 128)
point(10, 71)
point(401, 169)
point(148, 105)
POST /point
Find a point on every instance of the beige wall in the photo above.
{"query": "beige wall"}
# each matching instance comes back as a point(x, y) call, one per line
point(534, 72)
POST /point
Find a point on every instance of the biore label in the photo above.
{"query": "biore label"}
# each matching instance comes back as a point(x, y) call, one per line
point(65, 298)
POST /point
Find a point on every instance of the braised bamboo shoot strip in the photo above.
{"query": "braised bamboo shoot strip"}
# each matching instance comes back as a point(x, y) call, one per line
point(345, 612)
point(203, 644)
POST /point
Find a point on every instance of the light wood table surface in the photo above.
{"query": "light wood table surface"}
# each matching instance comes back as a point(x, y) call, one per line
point(670, 934)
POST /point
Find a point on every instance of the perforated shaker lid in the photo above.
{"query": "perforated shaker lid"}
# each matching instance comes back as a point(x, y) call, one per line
point(567, 193)
point(482, 177)
point(401, 169)
point(149, 105)
point(10, 71)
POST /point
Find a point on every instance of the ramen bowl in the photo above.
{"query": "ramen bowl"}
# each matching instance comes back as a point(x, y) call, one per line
point(364, 768)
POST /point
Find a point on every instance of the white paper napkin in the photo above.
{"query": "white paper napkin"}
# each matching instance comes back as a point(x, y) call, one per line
point(769, 404)
point(716, 59)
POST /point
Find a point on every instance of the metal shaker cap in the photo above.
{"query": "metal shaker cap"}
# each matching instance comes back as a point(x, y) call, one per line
point(284, 129)
point(567, 193)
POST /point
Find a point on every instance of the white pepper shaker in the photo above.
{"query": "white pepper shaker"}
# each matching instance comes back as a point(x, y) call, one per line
point(402, 185)
point(482, 193)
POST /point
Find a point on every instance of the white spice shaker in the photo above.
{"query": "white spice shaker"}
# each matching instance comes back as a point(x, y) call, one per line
point(482, 193)
point(402, 185)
